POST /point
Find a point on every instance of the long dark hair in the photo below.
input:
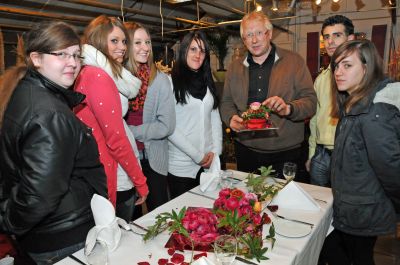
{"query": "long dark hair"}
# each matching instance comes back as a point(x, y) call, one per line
point(372, 62)
point(181, 71)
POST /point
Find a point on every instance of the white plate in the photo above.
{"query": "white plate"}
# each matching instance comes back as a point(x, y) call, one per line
point(289, 228)
point(145, 223)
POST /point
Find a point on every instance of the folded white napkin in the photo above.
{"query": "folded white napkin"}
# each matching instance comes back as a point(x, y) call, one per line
point(292, 196)
point(210, 177)
point(106, 228)
point(7, 261)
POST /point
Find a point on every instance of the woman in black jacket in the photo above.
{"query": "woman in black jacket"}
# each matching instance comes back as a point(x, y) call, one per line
point(365, 167)
point(49, 161)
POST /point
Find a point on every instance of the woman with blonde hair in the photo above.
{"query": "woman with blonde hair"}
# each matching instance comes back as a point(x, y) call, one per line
point(49, 163)
point(108, 86)
point(151, 115)
point(365, 167)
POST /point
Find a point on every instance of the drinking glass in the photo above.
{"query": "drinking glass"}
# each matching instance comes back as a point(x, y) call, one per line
point(98, 255)
point(225, 179)
point(289, 170)
point(225, 249)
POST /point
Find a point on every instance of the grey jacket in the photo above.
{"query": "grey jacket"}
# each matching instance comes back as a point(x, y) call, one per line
point(158, 122)
point(365, 165)
point(290, 80)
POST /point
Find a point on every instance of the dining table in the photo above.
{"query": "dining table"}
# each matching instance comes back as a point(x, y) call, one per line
point(290, 248)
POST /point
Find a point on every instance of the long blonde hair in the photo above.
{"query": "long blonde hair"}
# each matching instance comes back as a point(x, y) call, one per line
point(96, 34)
point(131, 63)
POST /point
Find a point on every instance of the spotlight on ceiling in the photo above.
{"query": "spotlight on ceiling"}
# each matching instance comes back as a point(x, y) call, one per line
point(274, 5)
point(317, 2)
point(177, 1)
point(335, 1)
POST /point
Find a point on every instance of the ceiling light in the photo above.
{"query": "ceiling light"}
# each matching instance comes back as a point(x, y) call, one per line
point(317, 2)
point(258, 7)
point(274, 5)
point(177, 1)
point(335, 1)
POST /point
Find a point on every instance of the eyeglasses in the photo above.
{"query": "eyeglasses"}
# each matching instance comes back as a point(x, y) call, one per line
point(257, 34)
point(196, 50)
point(334, 36)
point(66, 56)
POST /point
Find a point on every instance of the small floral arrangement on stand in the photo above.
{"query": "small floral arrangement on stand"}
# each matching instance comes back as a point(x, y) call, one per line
point(234, 212)
point(257, 116)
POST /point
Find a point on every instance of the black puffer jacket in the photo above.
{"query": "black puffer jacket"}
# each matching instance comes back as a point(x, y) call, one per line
point(366, 165)
point(49, 167)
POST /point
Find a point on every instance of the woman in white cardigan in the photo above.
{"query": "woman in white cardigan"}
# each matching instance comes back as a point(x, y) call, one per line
point(197, 138)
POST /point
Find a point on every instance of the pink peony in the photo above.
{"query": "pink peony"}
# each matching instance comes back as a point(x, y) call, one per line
point(255, 105)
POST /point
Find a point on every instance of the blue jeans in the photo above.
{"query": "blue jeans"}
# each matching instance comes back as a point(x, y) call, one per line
point(55, 256)
point(320, 167)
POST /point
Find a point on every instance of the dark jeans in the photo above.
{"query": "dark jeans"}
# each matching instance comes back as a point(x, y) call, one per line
point(249, 161)
point(157, 183)
point(320, 167)
point(344, 249)
point(125, 204)
point(180, 185)
point(55, 256)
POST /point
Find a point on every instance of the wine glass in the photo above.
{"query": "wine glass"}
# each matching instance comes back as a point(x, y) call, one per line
point(225, 249)
point(225, 179)
point(289, 170)
point(98, 255)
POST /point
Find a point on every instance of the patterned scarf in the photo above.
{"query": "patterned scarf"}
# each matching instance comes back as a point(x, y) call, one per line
point(143, 74)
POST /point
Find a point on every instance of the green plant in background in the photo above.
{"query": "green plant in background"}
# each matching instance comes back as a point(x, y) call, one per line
point(218, 39)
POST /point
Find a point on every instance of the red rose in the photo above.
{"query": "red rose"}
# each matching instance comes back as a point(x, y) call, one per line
point(237, 193)
point(232, 204)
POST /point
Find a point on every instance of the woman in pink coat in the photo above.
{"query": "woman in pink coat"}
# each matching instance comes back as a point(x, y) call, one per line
point(108, 86)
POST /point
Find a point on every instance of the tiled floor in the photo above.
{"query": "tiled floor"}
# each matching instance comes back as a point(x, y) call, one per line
point(387, 251)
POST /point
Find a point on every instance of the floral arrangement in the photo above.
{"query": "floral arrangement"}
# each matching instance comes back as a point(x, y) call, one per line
point(264, 189)
point(256, 111)
point(201, 225)
point(239, 215)
point(234, 212)
point(257, 116)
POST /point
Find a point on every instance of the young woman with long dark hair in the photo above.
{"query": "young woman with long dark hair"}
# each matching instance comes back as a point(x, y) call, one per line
point(197, 138)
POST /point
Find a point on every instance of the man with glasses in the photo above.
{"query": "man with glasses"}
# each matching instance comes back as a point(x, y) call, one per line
point(280, 80)
point(335, 31)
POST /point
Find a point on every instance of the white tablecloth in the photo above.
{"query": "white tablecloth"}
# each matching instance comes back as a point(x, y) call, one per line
point(287, 251)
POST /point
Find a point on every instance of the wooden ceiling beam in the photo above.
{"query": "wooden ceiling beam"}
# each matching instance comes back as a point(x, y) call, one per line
point(27, 12)
point(133, 10)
